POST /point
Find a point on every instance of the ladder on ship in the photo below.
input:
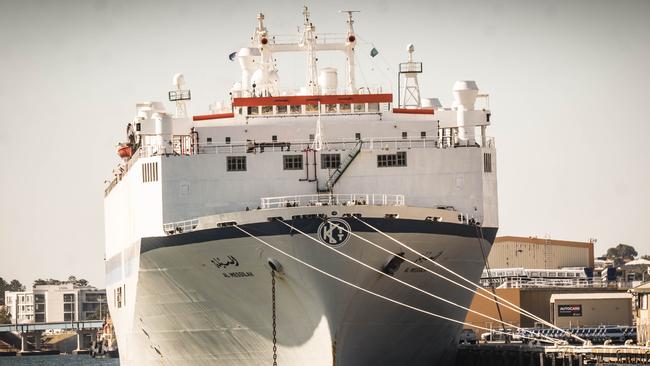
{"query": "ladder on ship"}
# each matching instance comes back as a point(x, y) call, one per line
point(338, 172)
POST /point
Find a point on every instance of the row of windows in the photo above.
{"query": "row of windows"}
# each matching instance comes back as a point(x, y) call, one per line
point(313, 108)
point(327, 161)
point(390, 160)
point(357, 135)
point(119, 296)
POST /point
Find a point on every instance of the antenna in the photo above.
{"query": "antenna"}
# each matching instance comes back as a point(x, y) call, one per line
point(180, 95)
point(349, 13)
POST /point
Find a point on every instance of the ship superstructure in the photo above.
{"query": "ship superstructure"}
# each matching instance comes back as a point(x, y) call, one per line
point(207, 213)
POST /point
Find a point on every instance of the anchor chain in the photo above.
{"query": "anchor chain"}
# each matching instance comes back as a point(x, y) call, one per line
point(275, 346)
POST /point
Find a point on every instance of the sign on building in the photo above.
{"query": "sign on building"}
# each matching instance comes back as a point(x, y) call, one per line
point(569, 310)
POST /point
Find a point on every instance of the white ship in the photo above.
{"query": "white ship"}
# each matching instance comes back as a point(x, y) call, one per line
point(235, 237)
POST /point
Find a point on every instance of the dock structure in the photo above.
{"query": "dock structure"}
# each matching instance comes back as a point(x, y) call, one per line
point(502, 354)
point(35, 331)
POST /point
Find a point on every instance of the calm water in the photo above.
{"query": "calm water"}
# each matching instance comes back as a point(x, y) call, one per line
point(83, 360)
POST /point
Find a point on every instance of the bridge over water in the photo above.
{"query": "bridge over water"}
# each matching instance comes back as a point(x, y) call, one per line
point(36, 330)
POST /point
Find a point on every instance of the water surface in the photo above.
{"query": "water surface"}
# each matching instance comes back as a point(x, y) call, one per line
point(81, 360)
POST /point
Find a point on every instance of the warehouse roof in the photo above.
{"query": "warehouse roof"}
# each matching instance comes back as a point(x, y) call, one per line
point(591, 296)
point(542, 241)
point(643, 288)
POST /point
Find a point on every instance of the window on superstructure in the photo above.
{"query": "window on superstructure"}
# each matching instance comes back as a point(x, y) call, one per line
point(227, 140)
point(373, 107)
point(274, 138)
point(281, 109)
point(330, 108)
point(267, 109)
point(311, 137)
point(487, 162)
point(253, 111)
point(423, 134)
point(208, 140)
point(311, 108)
point(391, 160)
point(357, 136)
point(69, 306)
point(296, 109)
point(405, 135)
point(330, 161)
point(360, 108)
point(292, 162)
point(236, 163)
point(345, 108)
point(118, 297)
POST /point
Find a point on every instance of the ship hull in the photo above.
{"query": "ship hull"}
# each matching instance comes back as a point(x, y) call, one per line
point(204, 298)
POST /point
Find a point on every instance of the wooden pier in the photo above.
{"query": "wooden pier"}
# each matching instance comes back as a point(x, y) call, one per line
point(518, 354)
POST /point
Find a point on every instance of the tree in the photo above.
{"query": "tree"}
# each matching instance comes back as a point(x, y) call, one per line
point(14, 286)
point(82, 282)
point(5, 317)
point(79, 282)
point(621, 253)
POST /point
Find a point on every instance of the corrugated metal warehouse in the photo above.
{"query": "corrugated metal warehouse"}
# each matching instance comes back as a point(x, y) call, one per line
point(535, 300)
point(522, 252)
point(585, 310)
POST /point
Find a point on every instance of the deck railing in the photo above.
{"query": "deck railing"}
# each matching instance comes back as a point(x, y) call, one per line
point(180, 226)
point(333, 200)
point(331, 145)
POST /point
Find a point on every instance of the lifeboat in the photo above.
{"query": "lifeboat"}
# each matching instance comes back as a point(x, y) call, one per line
point(124, 151)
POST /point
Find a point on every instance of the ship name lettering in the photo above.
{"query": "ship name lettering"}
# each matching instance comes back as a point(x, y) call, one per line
point(221, 264)
point(238, 274)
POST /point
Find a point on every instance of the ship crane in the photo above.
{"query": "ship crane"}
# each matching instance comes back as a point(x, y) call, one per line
point(259, 76)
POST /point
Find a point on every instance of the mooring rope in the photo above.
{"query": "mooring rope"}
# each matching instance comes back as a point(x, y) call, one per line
point(434, 273)
point(400, 281)
point(520, 310)
point(379, 295)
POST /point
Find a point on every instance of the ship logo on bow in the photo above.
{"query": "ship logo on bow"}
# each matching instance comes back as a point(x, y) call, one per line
point(335, 232)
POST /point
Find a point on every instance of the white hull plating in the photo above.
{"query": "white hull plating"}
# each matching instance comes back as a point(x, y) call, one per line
point(208, 301)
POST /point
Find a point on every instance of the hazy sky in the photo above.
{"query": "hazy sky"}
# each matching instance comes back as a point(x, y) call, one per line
point(568, 84)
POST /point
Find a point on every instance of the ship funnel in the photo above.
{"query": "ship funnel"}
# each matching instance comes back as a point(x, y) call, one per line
point(465, 92)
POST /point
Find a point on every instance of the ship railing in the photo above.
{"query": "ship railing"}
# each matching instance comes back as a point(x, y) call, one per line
point(372, 143)
point(180, 226)
point(333, 200)
point(527, 282)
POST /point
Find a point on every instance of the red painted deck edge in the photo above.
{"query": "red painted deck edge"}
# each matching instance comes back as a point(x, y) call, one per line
point(413, 111)
point(213, 116)
point(313, 99)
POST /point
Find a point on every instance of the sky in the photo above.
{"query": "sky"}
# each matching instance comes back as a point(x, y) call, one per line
point(568, 84)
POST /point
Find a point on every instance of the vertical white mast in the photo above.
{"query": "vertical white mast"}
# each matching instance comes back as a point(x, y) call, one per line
point(410, 71)
point(180, 96)
point(350, 42)
point(309, 40)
